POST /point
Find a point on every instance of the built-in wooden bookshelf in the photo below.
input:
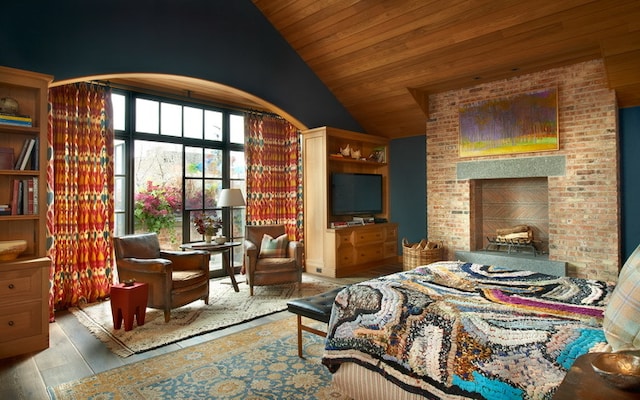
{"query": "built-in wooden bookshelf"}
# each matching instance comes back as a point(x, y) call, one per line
point(24, 281)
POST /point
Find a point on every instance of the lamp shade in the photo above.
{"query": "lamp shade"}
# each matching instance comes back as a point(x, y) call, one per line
point(230, 198)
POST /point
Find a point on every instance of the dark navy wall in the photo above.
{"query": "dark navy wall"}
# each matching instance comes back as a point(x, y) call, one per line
point(630, 176)
point(408, 176)
point(228, 42)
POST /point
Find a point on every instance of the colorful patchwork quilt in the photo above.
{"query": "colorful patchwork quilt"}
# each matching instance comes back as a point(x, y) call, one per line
point(461, 330)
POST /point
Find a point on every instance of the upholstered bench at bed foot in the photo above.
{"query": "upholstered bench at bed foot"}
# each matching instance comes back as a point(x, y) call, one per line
point(317, 308)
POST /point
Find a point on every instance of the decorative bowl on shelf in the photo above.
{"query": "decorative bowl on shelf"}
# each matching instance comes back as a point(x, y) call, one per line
point(621, 370)
point(220, 239)
point(11, 249)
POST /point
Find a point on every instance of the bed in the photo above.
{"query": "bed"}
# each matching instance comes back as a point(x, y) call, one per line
point(454, 330)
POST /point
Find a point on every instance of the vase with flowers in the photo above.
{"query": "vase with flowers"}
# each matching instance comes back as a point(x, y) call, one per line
point(207, 225)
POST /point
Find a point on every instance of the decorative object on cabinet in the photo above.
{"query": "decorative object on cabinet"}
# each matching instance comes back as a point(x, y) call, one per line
point(378, 154)
point(11, 249)
point(346, 151)
point(25, 304)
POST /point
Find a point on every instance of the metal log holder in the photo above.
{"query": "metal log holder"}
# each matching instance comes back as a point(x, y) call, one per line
point(516, 244)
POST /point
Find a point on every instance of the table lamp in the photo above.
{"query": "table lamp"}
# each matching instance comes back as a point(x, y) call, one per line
point(231, 198)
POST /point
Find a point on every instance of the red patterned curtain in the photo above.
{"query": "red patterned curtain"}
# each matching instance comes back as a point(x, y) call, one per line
point(80, 193)
point(274, 179)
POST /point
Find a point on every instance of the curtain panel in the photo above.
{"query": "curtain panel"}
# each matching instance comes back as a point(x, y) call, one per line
point(79, 195)
point(274, 179)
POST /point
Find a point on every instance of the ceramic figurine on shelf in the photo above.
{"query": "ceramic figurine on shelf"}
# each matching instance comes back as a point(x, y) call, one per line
point(355, 154)
point(346, 151)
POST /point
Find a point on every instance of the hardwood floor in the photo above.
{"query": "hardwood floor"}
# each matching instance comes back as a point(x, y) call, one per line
point(74, 353)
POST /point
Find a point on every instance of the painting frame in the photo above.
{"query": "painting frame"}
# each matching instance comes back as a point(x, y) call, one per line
point(522, 123)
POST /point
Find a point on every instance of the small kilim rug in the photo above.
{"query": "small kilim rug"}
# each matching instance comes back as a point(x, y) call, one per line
point(226, 308)
point(257, 363)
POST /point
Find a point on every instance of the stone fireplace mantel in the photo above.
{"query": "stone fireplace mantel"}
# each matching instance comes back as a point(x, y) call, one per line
point(528, 167)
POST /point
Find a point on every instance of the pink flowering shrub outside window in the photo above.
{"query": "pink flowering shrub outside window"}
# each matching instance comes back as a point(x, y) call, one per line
point(156, 207)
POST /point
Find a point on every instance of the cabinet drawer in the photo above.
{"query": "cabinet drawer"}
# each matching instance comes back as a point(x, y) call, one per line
point(344, 239)
point(20, 284)
point(20, 321)
point(372, 252)
point(392, 234)
point(369, 236)
point(344, 256)
point(390, 249)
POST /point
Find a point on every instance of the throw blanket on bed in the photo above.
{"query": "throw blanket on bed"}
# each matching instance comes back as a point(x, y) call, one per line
point(454, 330)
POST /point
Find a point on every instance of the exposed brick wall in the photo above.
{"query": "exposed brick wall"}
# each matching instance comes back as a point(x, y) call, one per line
point(583, 204)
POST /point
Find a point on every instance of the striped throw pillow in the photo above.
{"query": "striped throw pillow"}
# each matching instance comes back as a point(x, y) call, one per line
point(621, 322)
point(274, 248)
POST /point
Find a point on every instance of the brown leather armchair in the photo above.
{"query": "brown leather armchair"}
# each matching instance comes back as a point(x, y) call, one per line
point(175, 278)
point(262, 271)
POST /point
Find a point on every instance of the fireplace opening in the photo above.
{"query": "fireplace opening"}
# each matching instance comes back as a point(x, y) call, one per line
point(511, 202)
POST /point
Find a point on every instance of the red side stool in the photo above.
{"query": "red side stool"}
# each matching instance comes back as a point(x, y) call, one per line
point(127, 301)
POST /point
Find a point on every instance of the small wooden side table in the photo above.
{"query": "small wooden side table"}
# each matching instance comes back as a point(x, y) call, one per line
point(582, 383)
point(218, 248)
point(127, 302)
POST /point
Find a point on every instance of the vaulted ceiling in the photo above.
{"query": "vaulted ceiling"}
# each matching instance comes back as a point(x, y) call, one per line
point(382, 58)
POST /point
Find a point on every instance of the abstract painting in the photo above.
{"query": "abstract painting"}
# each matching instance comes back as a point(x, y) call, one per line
point(519, 124)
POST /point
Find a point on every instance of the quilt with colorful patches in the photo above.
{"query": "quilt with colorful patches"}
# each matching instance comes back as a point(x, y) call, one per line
point(459, 330)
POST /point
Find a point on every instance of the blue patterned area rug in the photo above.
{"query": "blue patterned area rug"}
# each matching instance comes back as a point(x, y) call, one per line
point(225, 308)
point(257, 363)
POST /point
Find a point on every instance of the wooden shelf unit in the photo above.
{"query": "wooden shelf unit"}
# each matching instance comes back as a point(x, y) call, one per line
point(342, 251)
point(24, 290)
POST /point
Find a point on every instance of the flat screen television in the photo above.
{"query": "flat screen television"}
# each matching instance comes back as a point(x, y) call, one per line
point(356, 194)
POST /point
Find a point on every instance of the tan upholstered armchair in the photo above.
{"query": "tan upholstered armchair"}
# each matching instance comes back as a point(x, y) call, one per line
point(175, 278)
point(272, 259)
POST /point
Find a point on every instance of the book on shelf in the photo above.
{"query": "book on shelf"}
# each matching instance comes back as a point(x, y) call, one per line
point(27, 196)
point(25, 154)
point(16, 195)
point(21, 155)
point(14, 119)
point(16, 123)
point(24, 197)
point(35, 194)
point(35, 155)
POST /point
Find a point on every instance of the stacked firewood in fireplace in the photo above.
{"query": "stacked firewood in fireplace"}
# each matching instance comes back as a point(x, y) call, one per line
point(519, 236)
point(515, 234)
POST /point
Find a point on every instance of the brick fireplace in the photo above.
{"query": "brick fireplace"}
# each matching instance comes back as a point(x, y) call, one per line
point(581, 179)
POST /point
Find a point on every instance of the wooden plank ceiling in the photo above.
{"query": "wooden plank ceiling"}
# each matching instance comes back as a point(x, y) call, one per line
point(382, 59)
